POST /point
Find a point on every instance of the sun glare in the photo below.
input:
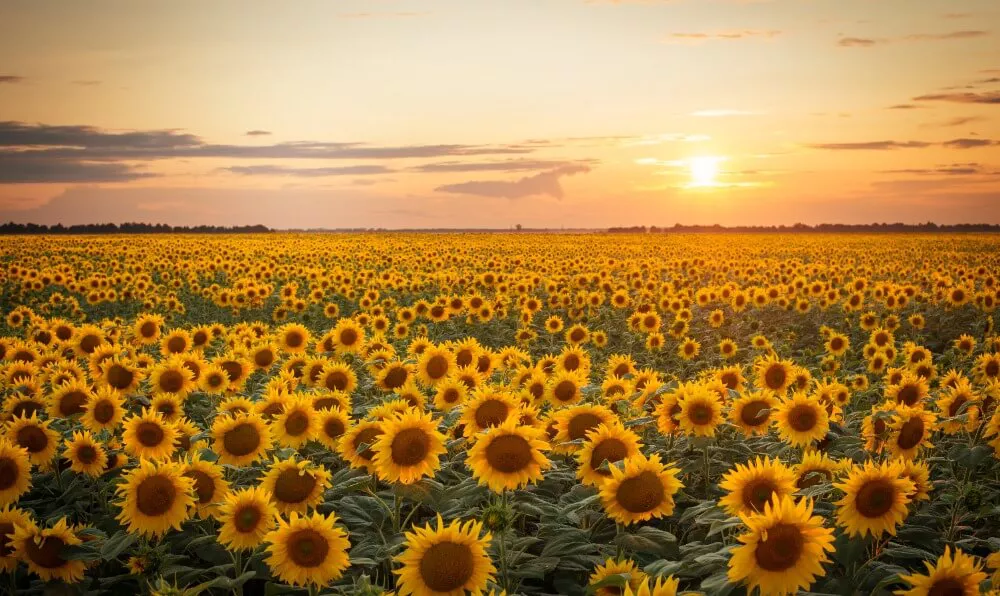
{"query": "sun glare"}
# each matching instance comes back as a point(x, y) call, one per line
point(704, 171)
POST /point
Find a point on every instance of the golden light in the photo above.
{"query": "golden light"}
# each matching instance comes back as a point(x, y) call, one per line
point(704, 170)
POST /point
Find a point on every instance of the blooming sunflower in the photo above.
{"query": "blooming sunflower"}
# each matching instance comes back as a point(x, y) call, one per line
point(783, 549)
point(347, 336)
point(751, 486)
point(210, 486)
point(356, 444)
point(910, 430)
point(643, 488)
point(295, 486)
point(700, 412)
point(172, 376)
point(15, 472)
point(11, 518)
point(752, 413)
point(155, 497)
point(297, 424)
point(958, 575)
point(240, 440)
point(450, 393)
point(960, 400)
point(609, 443)
point(661, 587)
point(338, 376)
point(815, 467)
point(450, 560)
point(508, 456)
point(35, 436)
point(246, 516)
point(487, 408)
point(773, 374)
point(572, 424)
point(612, 567)
point(149, 436)
point(293, 338)
point(308, 549)
point(332, 424)
point(85, 455)
point(801, 420)
point(409, 448)
point(875, 499)
point(563, 388)
point(42, 550)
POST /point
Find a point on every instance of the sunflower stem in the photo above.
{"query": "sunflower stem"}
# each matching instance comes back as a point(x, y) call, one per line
point(238, 569)
point(707, 464)
point(505, 581)
point(397, 507)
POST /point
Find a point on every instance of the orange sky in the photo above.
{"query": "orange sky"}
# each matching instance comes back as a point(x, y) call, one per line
point(459, 113)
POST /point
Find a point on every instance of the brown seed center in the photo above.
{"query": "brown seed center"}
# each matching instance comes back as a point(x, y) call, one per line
point(641, 493)
point(509, 453)
point(242, 439)
point(781, 549)
point(155, 496)
point(447, 566)
point(611, 450)
point(307, 548)
point(294, 486)
point(875, 498)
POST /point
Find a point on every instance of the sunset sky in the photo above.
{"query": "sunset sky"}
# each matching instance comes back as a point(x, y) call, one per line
point(475, 113)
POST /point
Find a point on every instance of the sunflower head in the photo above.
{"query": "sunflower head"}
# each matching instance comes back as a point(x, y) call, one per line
point(447, 559)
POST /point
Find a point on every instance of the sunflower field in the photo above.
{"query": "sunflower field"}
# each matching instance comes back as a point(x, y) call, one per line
point(500, 414)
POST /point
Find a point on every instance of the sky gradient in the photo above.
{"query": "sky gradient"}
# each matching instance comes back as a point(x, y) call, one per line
point(545, 113)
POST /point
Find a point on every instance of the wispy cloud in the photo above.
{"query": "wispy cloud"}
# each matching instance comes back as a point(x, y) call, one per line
point(28, 171)
point(905, 106)
point(513, 165)
point(257, 133)
point(546, 183)
point(892, 145)
point(273, 170)
point(957, 169)
point(970, 143)
point(957, 121)
point(989, 97)
point(87, 83)
point(730, 35)
point(11, 79)
point(865, 42)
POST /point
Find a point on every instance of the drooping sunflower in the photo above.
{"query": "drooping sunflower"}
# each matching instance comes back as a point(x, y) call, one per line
point(308, 549)
point(155, 497)
point(449, 559)
point(85, 455)
point(240, 440)
point(210, 486)
point(958, 575)
point(773, 374)
point(435, 364)
point(35, 436)
point(572, 424)
point(508, 456)
point(15, 472)
point(801, 419)
point(487, 408)
point(609, 443)
point(700, 412)
point(875, 499)
point(295, 486)
point(641, 489)
point(612, 567)
point(752, 413)
point(909, 431)
point(409, 448)
point(149, 436)
point(751, 486)
point(297, 424)
point(246, 516)
point(356, 444)
point(783, 549)
point(42, 550)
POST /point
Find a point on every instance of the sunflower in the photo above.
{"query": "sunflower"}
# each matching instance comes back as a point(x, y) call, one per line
point(149, 436)
point(356, 444)
point(210, 487)
point(263, 355)
point(240, 440)
point(958, 575)
point(409, 448)
point(338, 376)
point(148, 328)
point(773, 374)
point(88, 338)
point(487, 409)
point(293, 338)
point(750, 487)
point(875, 499)
point(85, 455)
point(332, 399)
point(508, 456)
point(213, 379)
point(752, 413)
point(237, 369)
point(393, 376)
point(450, 393)
point(783, 549)
point(661, 587)
point(688, 349)
point(920, 474)
point(35, 436)
point(295, 486)
point(909, 390)
point(11, 518)
point(801, 420)
point(120, 374)
point(297, 424)
point(171, 376)
point(246, 516)
point(103, 410)
point(177, 341)
point(572, 425)
point(42, 550)
point(435, 365)
point(909, 431)
point(15, 472)
point(450, 559)
point(700, 412)
point(609, 443)
point(333, 422)
point(347, 336)
point(643, 488)
point(68, 399)
point(308, 549)
point(563, 388)
point(955, 402)
point(837, 344)
point(155, 497)
point(635, 577)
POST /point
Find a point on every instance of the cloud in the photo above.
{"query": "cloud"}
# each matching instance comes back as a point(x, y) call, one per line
point(905, 106)
point(957, 121)
point(257, 133)
point(12, 79)
point(989, 97)
point(865, 42)
point(273, 170)
point(988, 81)
point(858, 42)
point(546, 183)
point(969, 143)
point(18, 171)
point(87, 83)
point(511, 165)
point(871, 145)
point(957, 169)
point(681, 37)
point(19, 134)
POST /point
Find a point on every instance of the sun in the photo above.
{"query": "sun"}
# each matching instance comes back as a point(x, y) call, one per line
point(704, 171)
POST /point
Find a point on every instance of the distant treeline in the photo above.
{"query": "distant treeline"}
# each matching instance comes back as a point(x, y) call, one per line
point(807, 229)
point(127, 228)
